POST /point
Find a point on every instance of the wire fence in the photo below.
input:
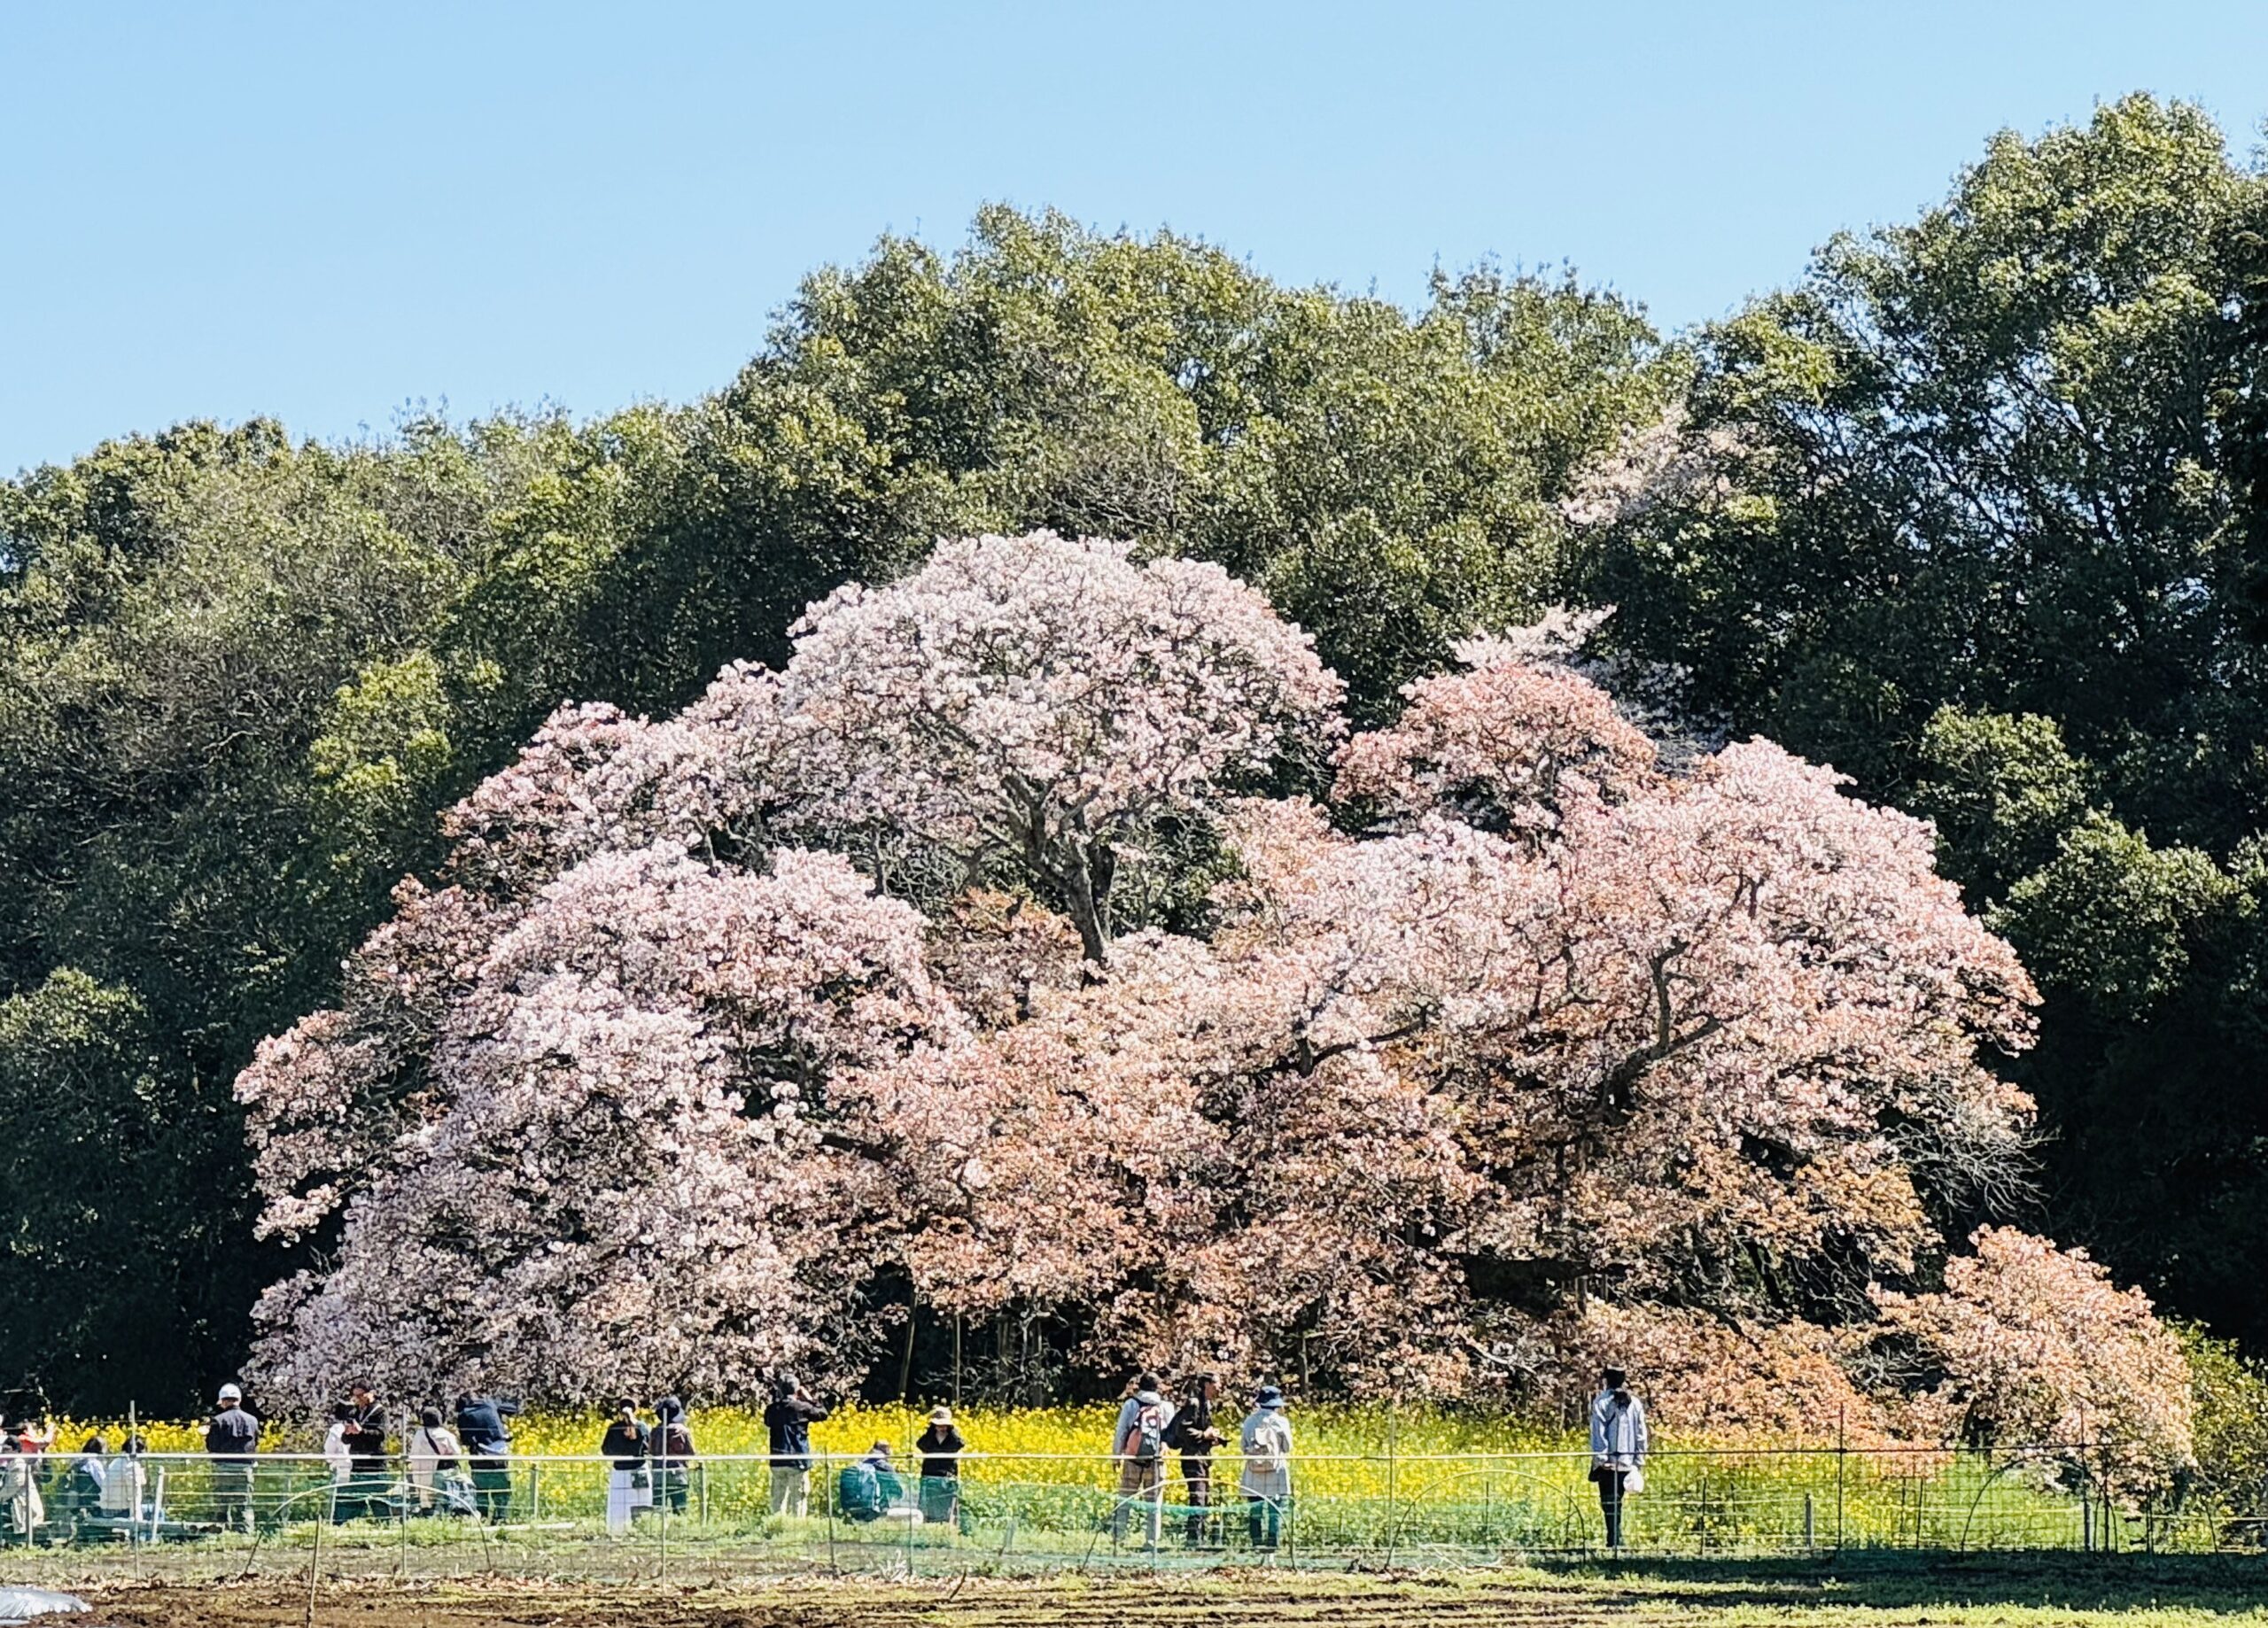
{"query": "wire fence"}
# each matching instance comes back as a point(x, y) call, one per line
point(718, 1516)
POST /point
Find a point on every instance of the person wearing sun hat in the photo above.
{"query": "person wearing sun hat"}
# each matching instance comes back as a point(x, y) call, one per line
point(1266, 1443)
point(940, 1446)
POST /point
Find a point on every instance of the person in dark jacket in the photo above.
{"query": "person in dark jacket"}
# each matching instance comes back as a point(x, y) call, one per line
point(488, 1446)
point(787, 1423)
point(365, 1440)
point(941, 1447)
point(673, 1455)
point(81, 1495)
point(231, 1438)
point(1193, 1435)
point(627, 1445)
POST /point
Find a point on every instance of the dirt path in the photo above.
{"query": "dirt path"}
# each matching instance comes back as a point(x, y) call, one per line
point(1215, 1601)
point(1899, 1592)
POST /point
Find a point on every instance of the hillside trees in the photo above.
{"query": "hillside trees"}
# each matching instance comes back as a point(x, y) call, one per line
point(239, 678)
point(665, 1090)
point(1975, 514)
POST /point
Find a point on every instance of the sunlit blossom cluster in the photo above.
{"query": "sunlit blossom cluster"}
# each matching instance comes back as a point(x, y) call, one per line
point(1515, 1039)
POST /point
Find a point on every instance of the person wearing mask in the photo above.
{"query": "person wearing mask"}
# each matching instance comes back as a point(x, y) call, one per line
point(787, 1423)
point(1139, 1443)
point(626, 1447)
point(940, 1447)
point(365, 1438)
point(432, 1449)
point(1617, 1448)
point(231, 1439)
point(1193, 1435)
point(480, 1427)
point(1266, 1443)
point(673, 1455)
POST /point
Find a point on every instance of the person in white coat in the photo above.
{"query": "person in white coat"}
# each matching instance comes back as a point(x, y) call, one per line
point(22, 1511)
point(126, 1482)
point(1265, 1440)
point(432, 1448)
point(1617, 1448)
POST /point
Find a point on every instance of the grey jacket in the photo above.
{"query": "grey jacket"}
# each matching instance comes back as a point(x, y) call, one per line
point(1618, 1434)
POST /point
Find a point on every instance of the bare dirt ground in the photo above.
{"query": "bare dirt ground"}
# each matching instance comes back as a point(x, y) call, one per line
point(1910, 1591)
point(1216, 1601)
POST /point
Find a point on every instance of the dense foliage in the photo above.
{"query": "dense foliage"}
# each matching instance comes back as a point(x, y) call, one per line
point(1976, 512)
point(239, 678)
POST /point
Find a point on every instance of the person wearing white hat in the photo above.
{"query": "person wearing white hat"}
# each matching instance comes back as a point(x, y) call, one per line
point(230, 1440)
point(940, 1446)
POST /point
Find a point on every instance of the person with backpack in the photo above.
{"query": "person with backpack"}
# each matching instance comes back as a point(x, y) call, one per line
point(787, 1423)
point(940, 1447)
point(230, 1439)
point(1617, 1448)
point(1193, 1435)
point(673, 1455)
point(434, 1476)
point(1139, 1446)
point(1266, 1443)
point(488, 1444)
point(869, 1488)
point(627, 1445)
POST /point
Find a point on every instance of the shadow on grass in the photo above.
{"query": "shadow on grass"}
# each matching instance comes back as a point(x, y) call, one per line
point(1895, 1581)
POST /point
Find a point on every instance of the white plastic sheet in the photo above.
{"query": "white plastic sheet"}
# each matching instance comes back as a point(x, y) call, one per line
point(22, 1605)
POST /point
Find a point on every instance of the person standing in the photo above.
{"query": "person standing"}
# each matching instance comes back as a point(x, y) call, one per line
point(787, 1423)
point(1139, 1446)
point(365, 1441)
point(1266, 1443)
point(1193, 1435)
point(335, 1451)
point(673, 1455)
point(126, 1482)
point(940, 1446)
point(22, 1512)
point(231, 1439)
point(1617, 1448)
point(626, 1447)
point(480, 1427)
point(433, 1450)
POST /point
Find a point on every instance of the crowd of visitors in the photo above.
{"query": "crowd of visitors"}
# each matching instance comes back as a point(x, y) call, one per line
point(457, 1463)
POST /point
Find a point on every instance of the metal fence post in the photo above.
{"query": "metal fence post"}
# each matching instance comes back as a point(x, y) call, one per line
point(1393, 1491)
point(1842, 1456)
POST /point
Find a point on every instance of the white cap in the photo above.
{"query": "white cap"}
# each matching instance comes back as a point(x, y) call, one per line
point(229, 1393)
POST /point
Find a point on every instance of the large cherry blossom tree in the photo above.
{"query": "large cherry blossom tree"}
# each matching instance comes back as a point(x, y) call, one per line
point(1529, 1040)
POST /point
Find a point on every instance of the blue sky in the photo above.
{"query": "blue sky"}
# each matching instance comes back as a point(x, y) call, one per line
point(325, 212)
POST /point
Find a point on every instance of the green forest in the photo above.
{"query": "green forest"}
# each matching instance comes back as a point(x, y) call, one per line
point(1974, 508)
